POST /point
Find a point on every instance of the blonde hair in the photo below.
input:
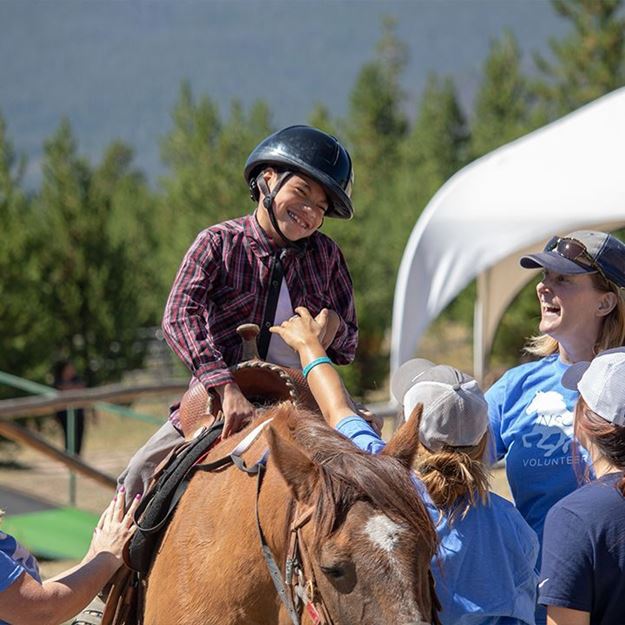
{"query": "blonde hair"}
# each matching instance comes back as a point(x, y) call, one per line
point(456, 477)
point(612, 332)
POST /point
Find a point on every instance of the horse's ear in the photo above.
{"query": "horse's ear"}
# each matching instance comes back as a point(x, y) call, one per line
point(297, 469)
point(405, 442)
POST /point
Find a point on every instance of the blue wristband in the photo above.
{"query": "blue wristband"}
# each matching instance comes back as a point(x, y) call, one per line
point(317, 361)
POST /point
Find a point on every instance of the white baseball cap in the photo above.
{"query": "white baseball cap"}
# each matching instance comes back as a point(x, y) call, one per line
point(455, 412)
point(601, 382)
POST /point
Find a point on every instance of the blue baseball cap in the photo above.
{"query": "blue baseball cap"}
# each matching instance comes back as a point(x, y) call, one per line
point(583, 251)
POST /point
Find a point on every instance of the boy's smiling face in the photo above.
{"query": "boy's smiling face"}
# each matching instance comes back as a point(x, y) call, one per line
point(299, 207)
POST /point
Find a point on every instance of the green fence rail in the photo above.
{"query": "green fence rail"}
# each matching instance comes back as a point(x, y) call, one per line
point(36, 388)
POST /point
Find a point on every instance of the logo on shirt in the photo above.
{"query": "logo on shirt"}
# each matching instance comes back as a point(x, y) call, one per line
point(552, 429)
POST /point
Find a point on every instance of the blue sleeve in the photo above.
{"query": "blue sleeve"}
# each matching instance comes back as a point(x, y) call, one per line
point(495, 397)
point(361, 434)
point(10, 570)
point(566, 574)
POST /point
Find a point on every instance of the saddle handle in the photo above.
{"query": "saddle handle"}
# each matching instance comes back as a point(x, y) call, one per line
point(248, 333)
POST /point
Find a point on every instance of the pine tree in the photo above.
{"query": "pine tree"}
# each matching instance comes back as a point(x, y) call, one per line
point(587, 63)
point(96, 281)
point(377, 123)
point(374, 132)
point(436, 147)
point(321, 118)
point(504, 104)
point(205, 157)
point(24, 327)
point(503, 111)
point(435, 150)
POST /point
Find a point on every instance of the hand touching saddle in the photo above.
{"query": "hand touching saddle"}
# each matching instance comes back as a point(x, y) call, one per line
point(261, 382)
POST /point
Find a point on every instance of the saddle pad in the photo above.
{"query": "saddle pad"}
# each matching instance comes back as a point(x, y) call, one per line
point(160, 501)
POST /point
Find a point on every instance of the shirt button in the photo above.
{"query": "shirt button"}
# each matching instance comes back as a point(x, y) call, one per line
point(275, 283)
point(268, 324)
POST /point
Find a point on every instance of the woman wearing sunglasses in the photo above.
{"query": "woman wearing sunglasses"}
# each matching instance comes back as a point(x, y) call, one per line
point(582, 312)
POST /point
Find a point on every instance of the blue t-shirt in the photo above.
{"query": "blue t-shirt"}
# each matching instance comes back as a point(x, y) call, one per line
point(531, 418)
point(583, 565)
point(485, 568)
point(14, 560)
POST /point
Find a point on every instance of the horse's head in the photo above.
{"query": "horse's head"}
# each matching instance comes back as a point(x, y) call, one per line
point(370, 539)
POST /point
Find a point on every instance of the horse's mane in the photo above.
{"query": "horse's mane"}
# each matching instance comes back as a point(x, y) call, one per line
point(348, 474)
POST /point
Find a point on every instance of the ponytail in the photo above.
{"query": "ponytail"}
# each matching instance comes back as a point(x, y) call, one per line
point(456, 477)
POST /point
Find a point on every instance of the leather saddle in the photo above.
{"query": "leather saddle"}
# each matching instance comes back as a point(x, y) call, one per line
point(262, 383)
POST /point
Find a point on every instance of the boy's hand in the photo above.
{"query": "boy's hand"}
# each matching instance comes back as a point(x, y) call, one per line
point(301, 329)
point(329, 322)
point(237, 410)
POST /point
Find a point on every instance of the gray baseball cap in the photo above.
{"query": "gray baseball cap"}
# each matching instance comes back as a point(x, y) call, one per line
point(598, 251)
point(601, 382)
point(455, 412)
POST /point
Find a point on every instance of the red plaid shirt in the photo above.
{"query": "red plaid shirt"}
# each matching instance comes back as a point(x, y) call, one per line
point(223, 282)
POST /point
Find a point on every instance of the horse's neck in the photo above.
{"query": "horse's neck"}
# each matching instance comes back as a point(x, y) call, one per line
point(214, 541)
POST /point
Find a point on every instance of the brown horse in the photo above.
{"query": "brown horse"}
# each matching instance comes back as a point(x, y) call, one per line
point(369, 540)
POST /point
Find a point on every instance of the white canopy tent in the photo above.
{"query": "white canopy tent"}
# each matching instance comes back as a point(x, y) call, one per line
point(569, 175)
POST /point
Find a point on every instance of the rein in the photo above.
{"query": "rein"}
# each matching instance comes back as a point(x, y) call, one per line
point(295, 589)
point(304, 591)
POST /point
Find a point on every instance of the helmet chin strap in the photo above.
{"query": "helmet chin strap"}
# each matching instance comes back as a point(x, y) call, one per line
point(268, 198)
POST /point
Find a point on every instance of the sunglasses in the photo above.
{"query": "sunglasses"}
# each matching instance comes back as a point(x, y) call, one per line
point(574, 250)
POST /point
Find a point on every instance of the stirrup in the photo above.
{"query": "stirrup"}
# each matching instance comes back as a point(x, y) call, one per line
point(89, 617)
point(92, 614)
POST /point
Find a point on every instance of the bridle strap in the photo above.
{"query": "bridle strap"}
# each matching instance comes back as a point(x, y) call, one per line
point(306, 589)
point(272, 565)
point(269, 196)
point(259, 469)
point(291, 591)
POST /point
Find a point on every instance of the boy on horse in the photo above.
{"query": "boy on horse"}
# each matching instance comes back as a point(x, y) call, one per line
point(258, 269)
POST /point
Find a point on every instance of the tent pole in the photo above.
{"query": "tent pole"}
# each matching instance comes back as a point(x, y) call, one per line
point(479, 326)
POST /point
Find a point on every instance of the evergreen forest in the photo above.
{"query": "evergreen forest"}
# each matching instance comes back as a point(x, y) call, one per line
point(88, 257)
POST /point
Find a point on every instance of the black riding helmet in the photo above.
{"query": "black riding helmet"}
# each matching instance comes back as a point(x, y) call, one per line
point(311, 152)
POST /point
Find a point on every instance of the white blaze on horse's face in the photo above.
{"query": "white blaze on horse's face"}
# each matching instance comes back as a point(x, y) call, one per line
point(383, 532)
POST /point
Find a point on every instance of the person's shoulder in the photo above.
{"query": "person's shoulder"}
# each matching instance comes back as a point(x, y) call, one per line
point(8, 544)
point(504, 519)
point(600, 494)
point(219, 234)
point(506, 510)
point(528, 368)
point(520, 373)
point(499, 503)
point(228, 227)
point(500, 508)
point(501, 516)
point(319, 240)
point(13, 554)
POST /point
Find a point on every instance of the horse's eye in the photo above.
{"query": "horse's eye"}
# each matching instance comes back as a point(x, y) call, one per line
point(335, 572)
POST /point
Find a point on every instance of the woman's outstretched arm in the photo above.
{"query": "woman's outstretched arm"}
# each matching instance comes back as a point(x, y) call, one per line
point(301, 332)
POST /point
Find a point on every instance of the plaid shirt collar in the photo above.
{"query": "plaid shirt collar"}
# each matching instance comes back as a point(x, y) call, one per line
point(262, 244)
point(259, 241)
